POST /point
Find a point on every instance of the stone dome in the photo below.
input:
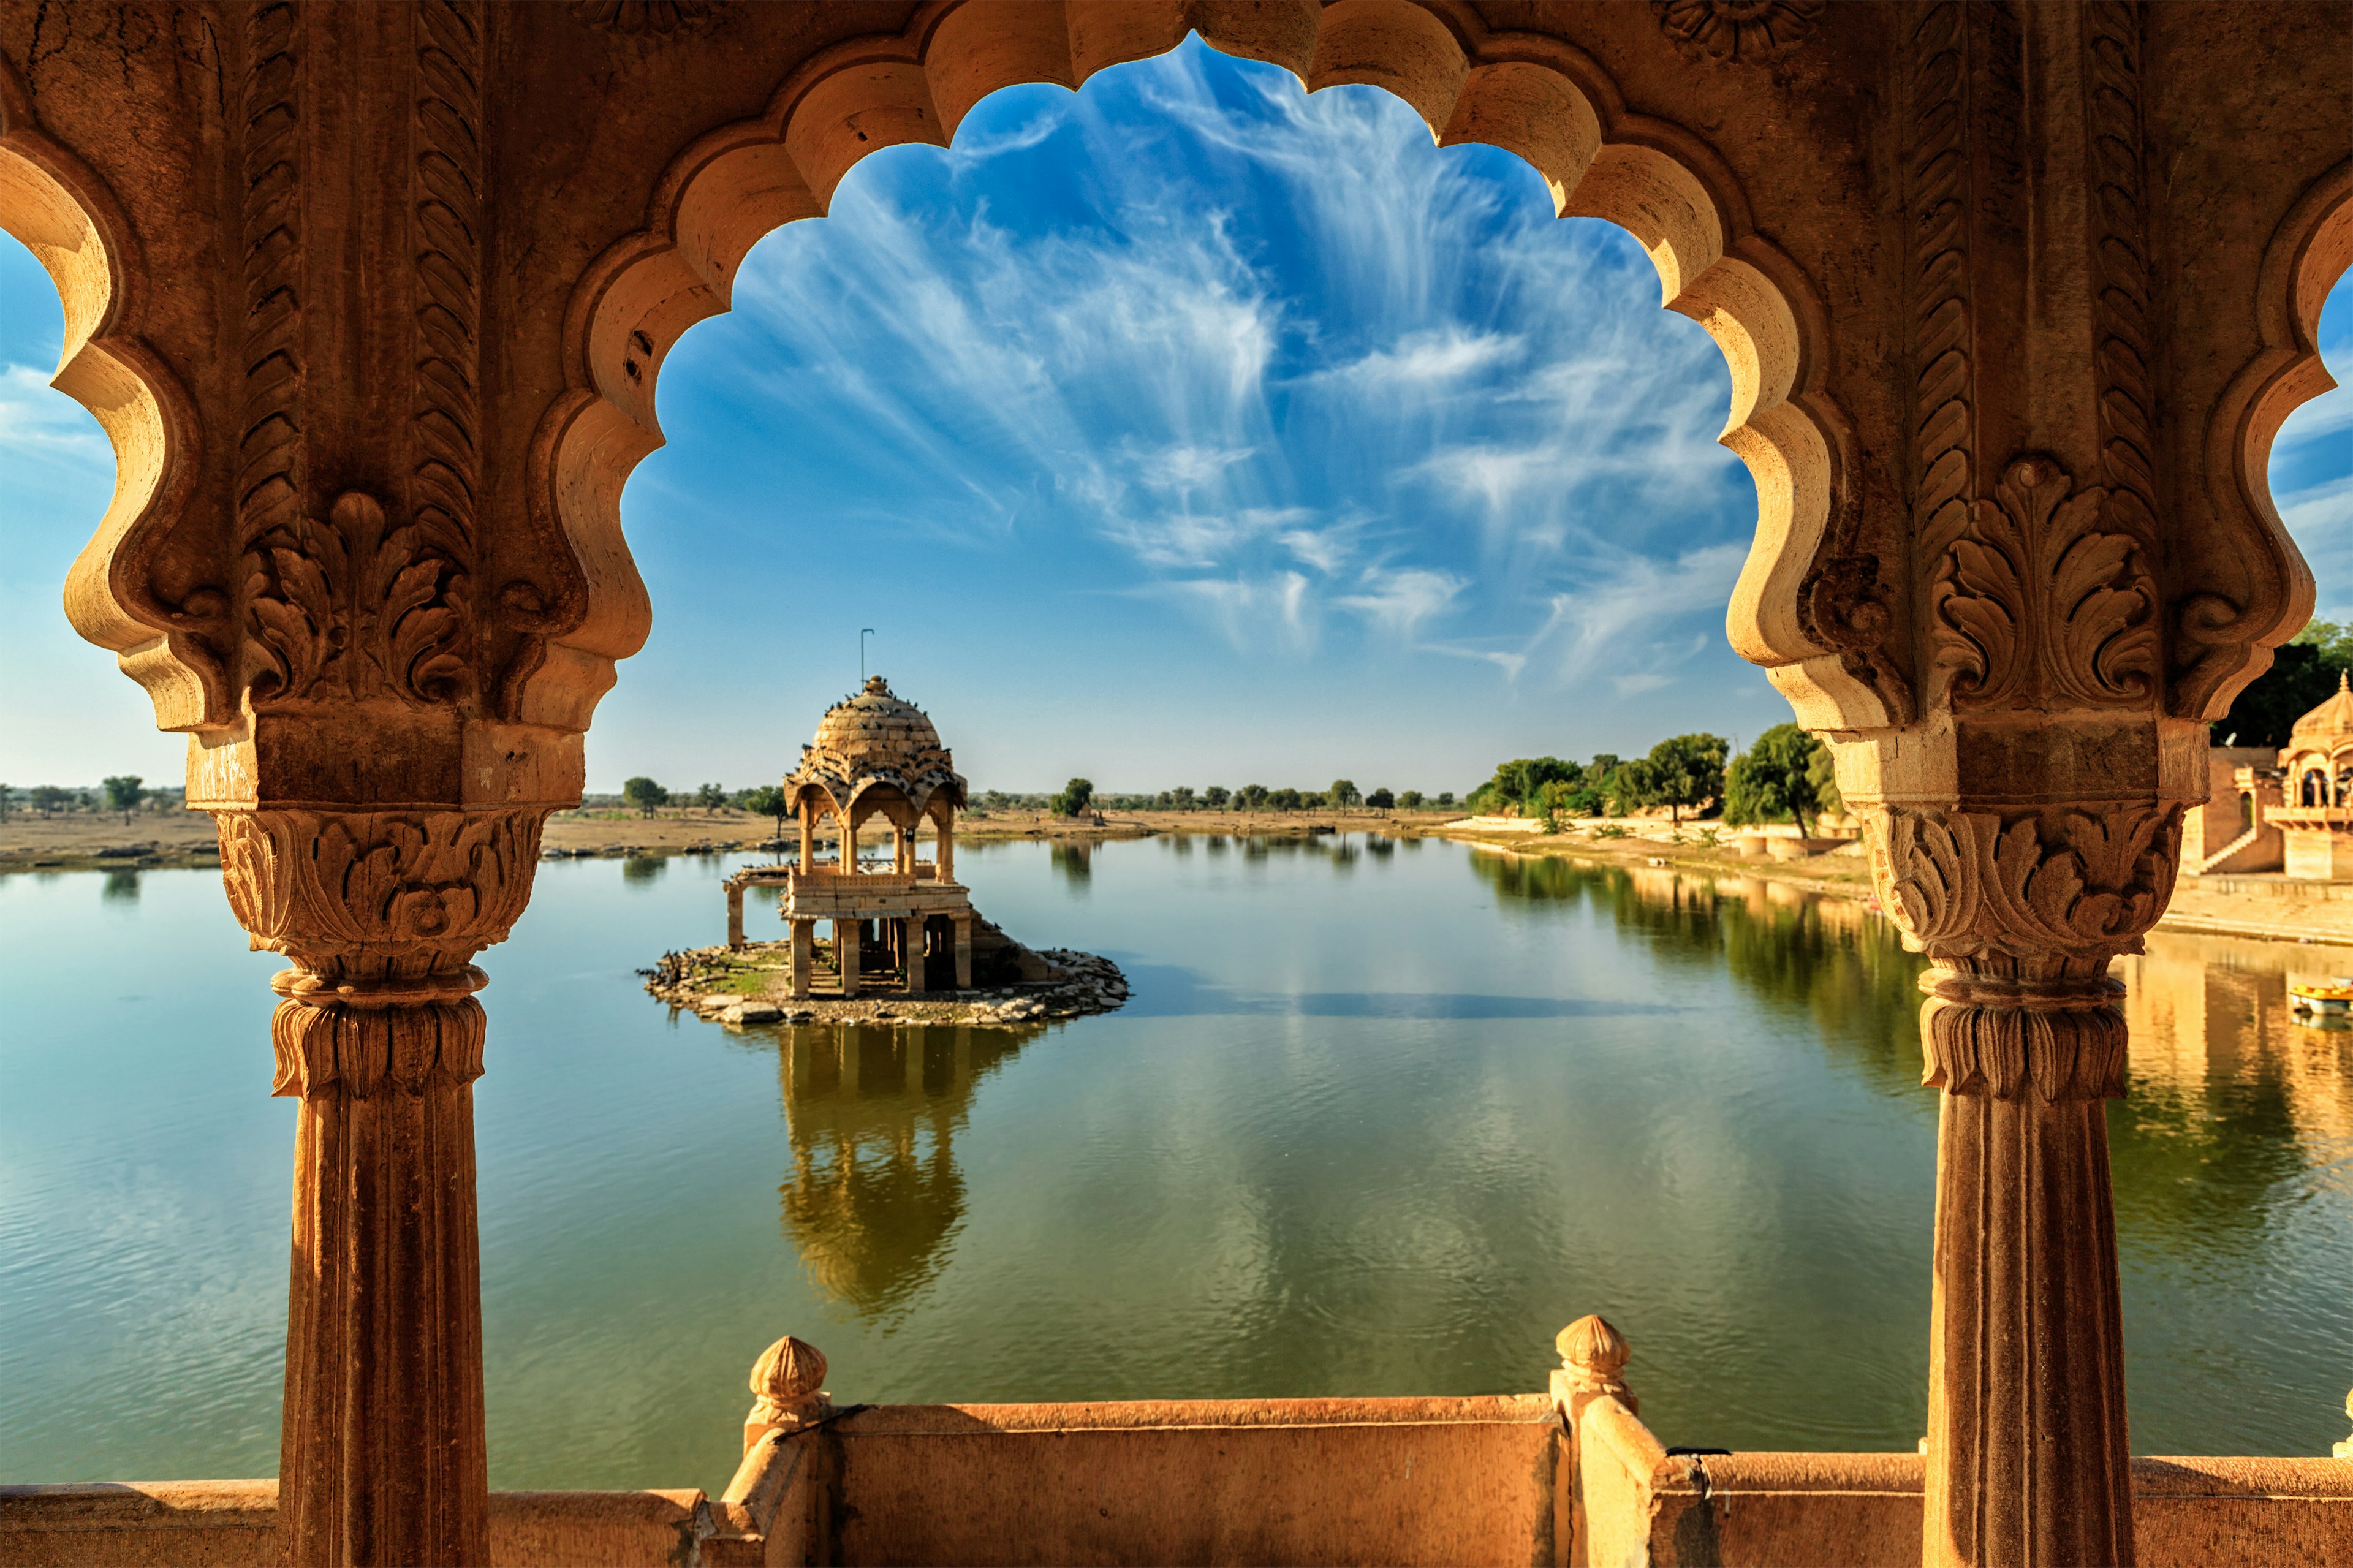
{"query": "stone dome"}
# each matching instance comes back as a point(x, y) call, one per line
point(875, 738)
point(2334, 716)
point(873, 725)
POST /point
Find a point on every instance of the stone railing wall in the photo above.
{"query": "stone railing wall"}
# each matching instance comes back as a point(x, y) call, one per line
point(1573, 1479)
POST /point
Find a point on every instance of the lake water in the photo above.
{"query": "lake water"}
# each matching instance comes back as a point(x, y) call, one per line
point(1379, 1120)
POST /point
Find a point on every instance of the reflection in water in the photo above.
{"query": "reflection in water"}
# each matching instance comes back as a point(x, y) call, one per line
point(643, 870)
point(1842, 965)
point(121, 886)
point(2232, 1101)
point(1075, 859)
point(871, 1116)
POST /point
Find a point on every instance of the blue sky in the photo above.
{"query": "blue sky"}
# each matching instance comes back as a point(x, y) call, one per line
point(1185, 430)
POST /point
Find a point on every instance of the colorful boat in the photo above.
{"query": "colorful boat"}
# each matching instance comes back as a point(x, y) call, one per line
point(2334, 995)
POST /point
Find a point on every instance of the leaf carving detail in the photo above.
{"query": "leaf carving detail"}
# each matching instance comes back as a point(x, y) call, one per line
point(2036, 606)
point(349, 607)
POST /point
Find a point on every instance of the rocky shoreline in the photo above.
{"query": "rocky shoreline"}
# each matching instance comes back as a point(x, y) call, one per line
point(750, 986)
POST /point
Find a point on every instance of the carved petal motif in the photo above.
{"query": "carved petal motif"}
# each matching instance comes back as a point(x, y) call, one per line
point(1736, 29)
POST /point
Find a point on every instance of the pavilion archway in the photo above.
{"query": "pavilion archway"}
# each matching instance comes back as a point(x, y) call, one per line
point(2014, 548)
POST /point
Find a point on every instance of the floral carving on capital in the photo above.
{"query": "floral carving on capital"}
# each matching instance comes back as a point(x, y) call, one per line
point(2030, 890)
point(373, 894)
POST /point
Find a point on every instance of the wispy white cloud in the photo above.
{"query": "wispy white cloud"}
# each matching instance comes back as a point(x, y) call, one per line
point(1299, 371)
point(1400, 601)
point(36, 419)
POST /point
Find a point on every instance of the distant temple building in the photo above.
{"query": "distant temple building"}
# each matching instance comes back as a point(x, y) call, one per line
point(910, 922)
point(2289, 811)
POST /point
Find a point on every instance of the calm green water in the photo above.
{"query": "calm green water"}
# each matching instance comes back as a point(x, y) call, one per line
point(1380, 1118)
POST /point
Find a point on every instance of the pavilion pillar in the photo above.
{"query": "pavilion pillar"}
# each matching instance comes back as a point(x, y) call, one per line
point(803, 959)
point(735, 914)
point(809, 837)
point(847, 940)
point(945, 854)
point(912, 939)
point(963, 952)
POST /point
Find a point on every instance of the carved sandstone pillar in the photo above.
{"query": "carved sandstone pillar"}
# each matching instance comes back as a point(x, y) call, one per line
point(380, 1037)
point(2023, 795)
point(383, 652)
point(2022, 909)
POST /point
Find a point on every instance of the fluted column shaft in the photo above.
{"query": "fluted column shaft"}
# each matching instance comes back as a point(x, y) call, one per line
point(383, 1457)
point(2027, 1440)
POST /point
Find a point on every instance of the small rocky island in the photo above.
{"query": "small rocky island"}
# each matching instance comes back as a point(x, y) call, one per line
point(906, 944)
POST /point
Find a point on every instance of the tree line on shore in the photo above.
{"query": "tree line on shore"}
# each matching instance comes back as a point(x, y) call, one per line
point(1077, 798)
point(1786, 776)
point(119, 793)
point(1080, 797)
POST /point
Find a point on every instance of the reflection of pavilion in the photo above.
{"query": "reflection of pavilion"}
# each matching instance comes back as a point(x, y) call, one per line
point(2210, 1010)
point(871, 1116)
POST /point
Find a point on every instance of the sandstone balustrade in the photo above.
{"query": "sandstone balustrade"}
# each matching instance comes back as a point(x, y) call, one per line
point(1567, 1478)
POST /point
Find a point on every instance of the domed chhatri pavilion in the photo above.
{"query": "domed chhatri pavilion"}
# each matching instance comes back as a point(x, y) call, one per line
point(2314, 792)
point(874, 755)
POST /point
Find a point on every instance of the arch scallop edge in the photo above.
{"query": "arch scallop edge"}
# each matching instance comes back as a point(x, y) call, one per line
point(2229, 644)
point(1533, 96)
point(62, 212)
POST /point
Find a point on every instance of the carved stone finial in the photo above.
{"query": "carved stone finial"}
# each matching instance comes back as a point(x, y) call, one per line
point(788, 1385)
point(1593, 1355)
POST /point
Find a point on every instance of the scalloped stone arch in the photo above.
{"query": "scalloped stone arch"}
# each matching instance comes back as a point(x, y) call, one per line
point(1535, 97)
point(58, 209)
point(2311, 250)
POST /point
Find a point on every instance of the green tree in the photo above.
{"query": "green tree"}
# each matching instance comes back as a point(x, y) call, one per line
point(1183, 795)
point(1342, 792)
point(1518, 784)
point(2302, 675)
point(1687, 772)
point(48, 799)
point(6, 794)
point(1773, 781)
point(1410, 800)
point(1215, 797)
point(1822, 774)
point(1381, 799)
point(1076, 798)
point(710, 796)
point(1284, 800)
point(124, 794)
point(1253, 796)
point(768, 800)
point(645, 794)
point(1632, 785)
point(1446, 801)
